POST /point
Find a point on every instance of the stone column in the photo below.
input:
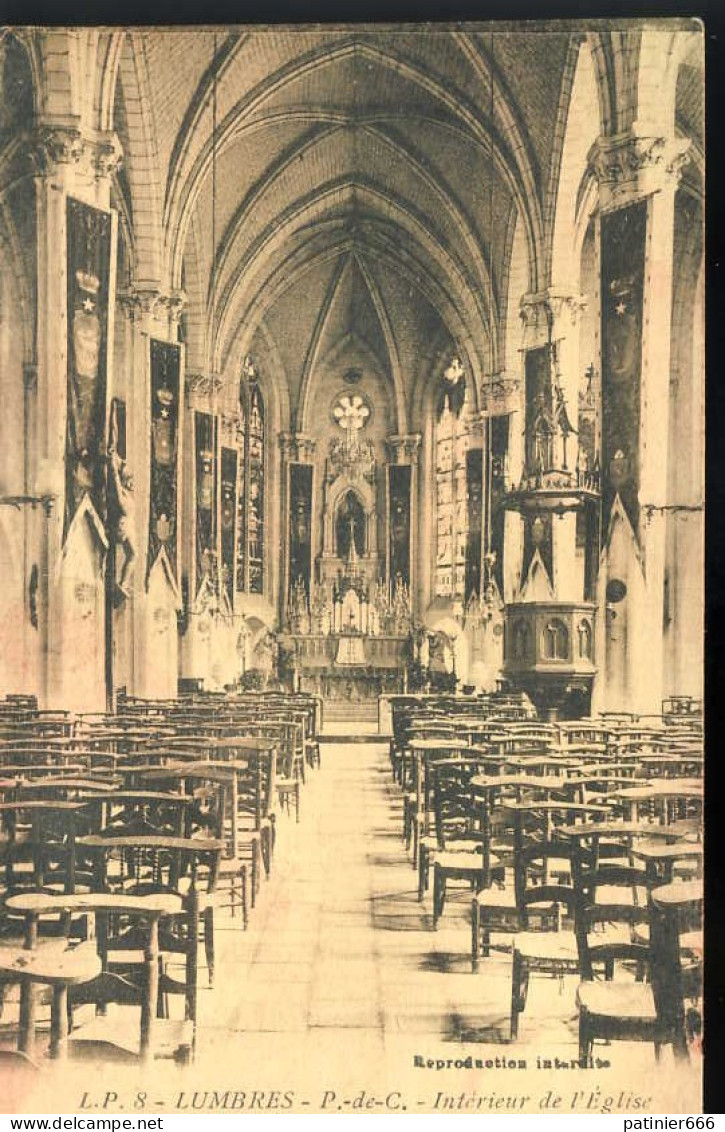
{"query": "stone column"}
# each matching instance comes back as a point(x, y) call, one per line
point(631, 167)
point(148, 312)
point(68, 162)
point(551, 317)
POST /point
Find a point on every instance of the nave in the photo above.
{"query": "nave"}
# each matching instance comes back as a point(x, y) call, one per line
point(354, 376)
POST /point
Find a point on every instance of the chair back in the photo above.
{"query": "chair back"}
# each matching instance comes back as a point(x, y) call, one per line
point(541, 893)
point(676, 967)
point(610, 904)
point(456, 814)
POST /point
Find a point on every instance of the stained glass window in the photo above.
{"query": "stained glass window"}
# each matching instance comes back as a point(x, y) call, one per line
point(251, 501)
point(452, 511)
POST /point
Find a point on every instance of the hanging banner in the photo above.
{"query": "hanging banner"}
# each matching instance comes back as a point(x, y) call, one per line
point(587, 544)
point(206, 494)
point(399, 482)
point(499, 441)
point(228, 520)
point(539, 411)
point(255, 488)
point(165, 390)
point(623, 235)
point(241, 552)
point(300, 525)
point(89, 263)
point(474, 496)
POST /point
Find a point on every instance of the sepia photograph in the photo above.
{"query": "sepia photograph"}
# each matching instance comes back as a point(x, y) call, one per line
point(352, 568)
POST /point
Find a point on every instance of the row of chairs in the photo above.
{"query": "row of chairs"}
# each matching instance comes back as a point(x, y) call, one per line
point(122, 838)
point(572, 824)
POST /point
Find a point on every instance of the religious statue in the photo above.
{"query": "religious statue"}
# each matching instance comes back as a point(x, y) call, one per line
point(122, 490)
point(401, 606)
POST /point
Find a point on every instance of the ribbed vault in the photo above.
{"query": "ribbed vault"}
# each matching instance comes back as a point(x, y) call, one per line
point(320, 183)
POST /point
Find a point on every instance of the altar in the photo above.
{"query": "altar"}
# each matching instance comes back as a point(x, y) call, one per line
point(349, 666)
point(347, 625)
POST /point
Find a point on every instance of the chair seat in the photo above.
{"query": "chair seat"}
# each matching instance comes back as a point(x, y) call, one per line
point(614, 894)
point(53, 963)
point(134, 957)
point(692, 943)
point(113, 1032)
point(230, 866)
point(461, 861)
point(504, 898)
point(554, 946)
point(617, 1000)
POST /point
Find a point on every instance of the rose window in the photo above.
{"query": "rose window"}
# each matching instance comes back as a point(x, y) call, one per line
point(351, 412)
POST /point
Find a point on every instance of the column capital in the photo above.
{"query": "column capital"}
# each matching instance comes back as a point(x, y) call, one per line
point(297, 447)
point(629, 166)
point(104, 153)
point(201, 388)
point(148, 301)
point(62, 145)
point(404, 449)
point(500, 393)
point(55, 145)
point(550, 313)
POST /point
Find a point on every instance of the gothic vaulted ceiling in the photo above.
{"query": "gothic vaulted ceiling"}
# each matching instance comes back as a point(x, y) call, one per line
point(317, 183)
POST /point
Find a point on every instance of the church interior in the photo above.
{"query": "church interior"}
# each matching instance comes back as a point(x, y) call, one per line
point(352, 546)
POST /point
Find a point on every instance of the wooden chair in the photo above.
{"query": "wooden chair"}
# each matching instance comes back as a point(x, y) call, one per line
point(153, 865)
point(418, 816)
point(55, 965)
point(677, 960)
point(138, 984)
point(614, 1000)
point(463, 849)
point(533, 815)
point(540, 945)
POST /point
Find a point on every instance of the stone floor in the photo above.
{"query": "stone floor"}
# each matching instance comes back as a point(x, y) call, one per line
point(340, 992)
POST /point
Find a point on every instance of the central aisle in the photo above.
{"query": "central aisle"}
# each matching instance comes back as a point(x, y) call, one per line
point(340, 968)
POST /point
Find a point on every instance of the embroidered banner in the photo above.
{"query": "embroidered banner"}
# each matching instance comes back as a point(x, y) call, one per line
point(206, 495)
point(165, 390)
point(241, 558)
point(539, 415)
point(300, 525)
point(474, 495)
point(499, 441)
point(587, 544)
point(229, 520)
point(623, 234)
point(399, 481)
point(89, 260)
point(255, 491)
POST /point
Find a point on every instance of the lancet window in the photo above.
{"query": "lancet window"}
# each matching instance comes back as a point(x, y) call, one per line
point(452, 442)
